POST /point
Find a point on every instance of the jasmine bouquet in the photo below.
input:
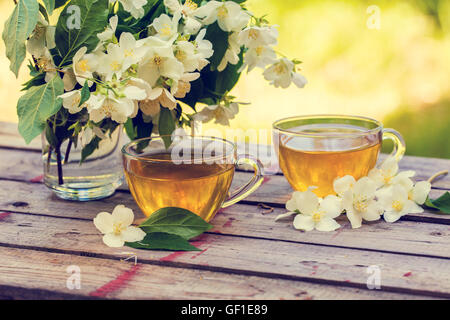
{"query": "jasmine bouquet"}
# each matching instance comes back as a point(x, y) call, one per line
point(150, 65)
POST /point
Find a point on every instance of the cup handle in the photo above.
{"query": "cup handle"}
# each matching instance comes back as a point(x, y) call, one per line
point(251, 186)
point(399, 143)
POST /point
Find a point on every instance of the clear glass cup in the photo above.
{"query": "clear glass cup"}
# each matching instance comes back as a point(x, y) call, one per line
point(315, 150)
point(95, 178)
point(189, 172)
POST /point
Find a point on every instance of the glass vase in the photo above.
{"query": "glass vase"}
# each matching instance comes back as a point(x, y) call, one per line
point(97, 177)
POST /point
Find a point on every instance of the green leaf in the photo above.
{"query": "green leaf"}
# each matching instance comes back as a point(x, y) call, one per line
point(85, 93)
point(177, 221)
point(18, 28)
point(37, 105)
point(166, 126)
point(89, 148)
point(163, 241)
point(92, 20)
point(442, 203)
point(49, 5)
point(219, 39)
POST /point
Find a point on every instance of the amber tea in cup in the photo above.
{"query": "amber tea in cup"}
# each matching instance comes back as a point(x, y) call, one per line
point(194, 173)
point(315, 150)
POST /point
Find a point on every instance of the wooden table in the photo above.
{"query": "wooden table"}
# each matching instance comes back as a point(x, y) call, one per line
point(245, 256)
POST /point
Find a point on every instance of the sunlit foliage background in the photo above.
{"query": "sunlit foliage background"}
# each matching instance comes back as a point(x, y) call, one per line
point(399, 74)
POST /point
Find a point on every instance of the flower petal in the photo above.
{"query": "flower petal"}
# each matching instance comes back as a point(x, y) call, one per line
point(113, 240)
point(332, 206)
point(391, 216)
point(327, 224)
point(123, 214)
point(373, 212)
point(343, 184)
point(304, 222)
point(307, 202)
point(420, 191)
point(133, 234)
point(284, 216)
point(104, 222)
point(354, 218)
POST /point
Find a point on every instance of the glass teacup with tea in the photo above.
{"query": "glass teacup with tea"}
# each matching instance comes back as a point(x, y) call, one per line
point(315, 150)
point(189, 172)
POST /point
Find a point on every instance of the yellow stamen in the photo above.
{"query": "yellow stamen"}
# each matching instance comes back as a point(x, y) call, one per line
point(157, 60)
point(361, 204)
point(222, 12)
point(129, 53)
point(83, 65)
point(253, 34)
point(166, 30)
point(398, 205)
point(190, 5)
point(317, 217)
point(117, 228)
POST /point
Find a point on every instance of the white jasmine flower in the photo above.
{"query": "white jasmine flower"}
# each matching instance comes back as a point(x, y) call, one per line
point(167, 27)
point(388, 174)
point(254, 37)
point(110, 30)
point(417, 192)
point(282, 74)
point(222, 113)
point(118, 109)
point(117, 228)
point(183, 86)
point(71, 101)
point(121, 56)
point(46, 64)
point(315, 213)
point(88, 133)
point(397, 204)
point(159, 61)
point(42, 38)
point(84, 65)
point(204, 48)
point(359, 202)
point(258, 57)
point(157, 98)
point(186, 10)
point(232, 53)
point(229, 15)
point(185, 53)
point(134, 7)
point(69, 79)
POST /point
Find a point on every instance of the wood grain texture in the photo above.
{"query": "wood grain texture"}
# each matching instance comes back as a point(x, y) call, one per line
point(36, 274)
point(407, 237)
point(243, 256)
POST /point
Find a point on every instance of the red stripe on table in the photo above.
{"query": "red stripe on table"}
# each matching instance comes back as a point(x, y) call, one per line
point(199, 242)
point(4, 215)
point(228, 223)
point(266, 179)
point(37, 179)
point(118, 283)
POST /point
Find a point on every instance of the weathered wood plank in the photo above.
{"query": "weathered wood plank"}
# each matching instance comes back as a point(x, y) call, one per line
point(10, 138)
point(36, 198)
point(241, 255)
point(408, 237)
point(34, 271)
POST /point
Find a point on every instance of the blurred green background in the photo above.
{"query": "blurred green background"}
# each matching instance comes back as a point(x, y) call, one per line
point(385, 59)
